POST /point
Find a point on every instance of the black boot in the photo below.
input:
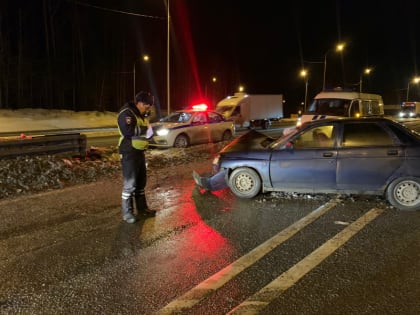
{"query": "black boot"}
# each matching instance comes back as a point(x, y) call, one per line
point(141, 205)
point(127, 210)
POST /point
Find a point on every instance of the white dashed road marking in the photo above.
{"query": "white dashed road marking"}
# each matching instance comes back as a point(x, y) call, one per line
point(261, 299)
point(199, 292)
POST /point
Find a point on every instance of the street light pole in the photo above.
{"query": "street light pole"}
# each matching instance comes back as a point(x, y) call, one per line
point(304, 74)
point(145, 59)
point(366, 71)
point(339, 47)
point(168, 79)
point(213, 79)
point(325, 69)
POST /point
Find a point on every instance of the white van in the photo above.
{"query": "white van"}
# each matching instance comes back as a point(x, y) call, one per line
point(339, 103)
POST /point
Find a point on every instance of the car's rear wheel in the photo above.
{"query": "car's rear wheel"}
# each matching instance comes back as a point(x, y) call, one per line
point(227, 135)
point(245, 182)
point(404, 193)
point(181, 141)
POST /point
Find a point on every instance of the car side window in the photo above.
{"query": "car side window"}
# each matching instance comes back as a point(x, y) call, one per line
point(366, 134)
point(200, 118)
point(318, 137)
point(402, 136)
point(214, 118)
point(183, 117)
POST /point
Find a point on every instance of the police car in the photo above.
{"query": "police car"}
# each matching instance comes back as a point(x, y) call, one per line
point(183, 128)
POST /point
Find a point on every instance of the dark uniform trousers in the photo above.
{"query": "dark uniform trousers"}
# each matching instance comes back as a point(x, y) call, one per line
point(134, 181)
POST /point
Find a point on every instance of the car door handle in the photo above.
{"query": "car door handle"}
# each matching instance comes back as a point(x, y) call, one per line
point(327, 154)
point(392, 152)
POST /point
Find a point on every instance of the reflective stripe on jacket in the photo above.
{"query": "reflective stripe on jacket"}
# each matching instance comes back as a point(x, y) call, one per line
point(138, 140)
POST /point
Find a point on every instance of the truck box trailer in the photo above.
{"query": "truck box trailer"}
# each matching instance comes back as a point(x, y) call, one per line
point(252, 110)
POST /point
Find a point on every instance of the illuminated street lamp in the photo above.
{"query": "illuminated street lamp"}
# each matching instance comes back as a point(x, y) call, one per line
point(213, 80)
point(338, 48)
point(145, 58)
point(241, 88)
point(304, 74)
point(367, 71)
point(415, 81)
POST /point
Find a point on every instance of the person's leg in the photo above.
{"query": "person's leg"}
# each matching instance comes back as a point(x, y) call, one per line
point(139, 194)
point(129, 181)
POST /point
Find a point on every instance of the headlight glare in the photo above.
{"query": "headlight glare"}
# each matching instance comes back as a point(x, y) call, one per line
point(162, 132)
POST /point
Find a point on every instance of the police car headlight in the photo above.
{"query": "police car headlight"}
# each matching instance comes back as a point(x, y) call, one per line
point(162, 132)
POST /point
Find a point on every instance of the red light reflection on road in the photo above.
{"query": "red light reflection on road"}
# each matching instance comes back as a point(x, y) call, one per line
point(191, 213)
point(201, 247)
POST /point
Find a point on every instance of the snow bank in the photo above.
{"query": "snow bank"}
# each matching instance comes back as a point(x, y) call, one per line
point(22, 120)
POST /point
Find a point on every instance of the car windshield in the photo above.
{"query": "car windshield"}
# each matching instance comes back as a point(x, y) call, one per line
point(329, 106)
point(177, 117)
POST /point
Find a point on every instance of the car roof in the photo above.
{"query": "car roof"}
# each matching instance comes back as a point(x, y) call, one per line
point(379, 119)
point(189, 110)
point(348, 119)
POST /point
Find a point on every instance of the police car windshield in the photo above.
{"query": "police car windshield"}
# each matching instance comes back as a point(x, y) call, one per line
point(177, 117)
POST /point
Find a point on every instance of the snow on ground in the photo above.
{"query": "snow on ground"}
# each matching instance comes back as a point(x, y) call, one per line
point(32, 174)
point(23, 120)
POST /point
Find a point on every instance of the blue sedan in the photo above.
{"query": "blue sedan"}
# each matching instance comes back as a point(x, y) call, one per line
point(375, 156)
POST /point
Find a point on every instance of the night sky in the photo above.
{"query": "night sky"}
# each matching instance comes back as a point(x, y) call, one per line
point(80, 55)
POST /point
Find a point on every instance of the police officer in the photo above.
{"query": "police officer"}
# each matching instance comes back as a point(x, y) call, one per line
point(134, 129)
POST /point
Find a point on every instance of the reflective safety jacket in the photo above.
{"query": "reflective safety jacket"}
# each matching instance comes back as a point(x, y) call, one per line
point(132, 127)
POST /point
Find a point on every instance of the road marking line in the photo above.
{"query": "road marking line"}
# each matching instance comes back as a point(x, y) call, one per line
point(211, 284)
point(258, 301)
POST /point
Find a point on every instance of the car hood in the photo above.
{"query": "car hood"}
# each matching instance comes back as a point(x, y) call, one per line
point(168, 125)
point(250, 141)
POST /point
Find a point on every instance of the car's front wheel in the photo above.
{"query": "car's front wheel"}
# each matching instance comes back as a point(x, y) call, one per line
point(404, 193)
point(181, 141)
point(245, 182)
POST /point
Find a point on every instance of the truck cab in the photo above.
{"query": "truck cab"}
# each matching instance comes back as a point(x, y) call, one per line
point(232, 108)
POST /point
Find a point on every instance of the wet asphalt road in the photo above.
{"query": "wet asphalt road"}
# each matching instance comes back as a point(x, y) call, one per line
point(68, 252)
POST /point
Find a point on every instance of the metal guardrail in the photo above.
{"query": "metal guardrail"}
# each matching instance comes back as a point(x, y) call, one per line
point(48, 144)
point(58, 131)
